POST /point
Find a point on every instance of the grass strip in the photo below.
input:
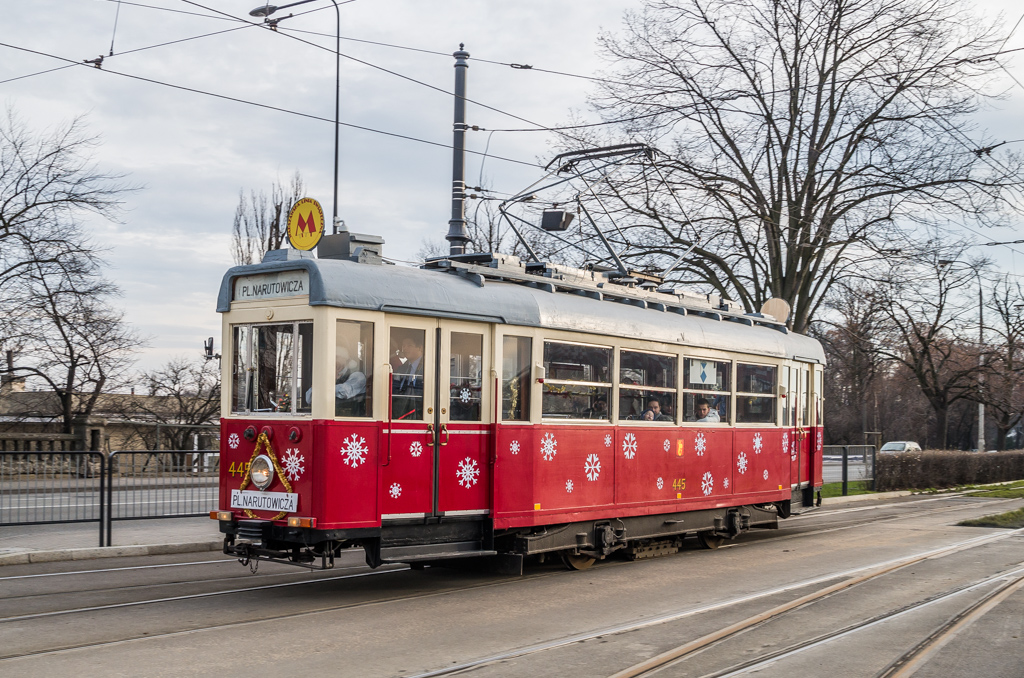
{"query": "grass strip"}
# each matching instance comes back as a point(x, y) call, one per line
point(1010, 519)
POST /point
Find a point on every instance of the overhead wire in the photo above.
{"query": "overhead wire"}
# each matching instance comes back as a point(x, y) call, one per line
point(257, 104)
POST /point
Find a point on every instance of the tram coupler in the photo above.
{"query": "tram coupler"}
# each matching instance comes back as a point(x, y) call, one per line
point(247, 552)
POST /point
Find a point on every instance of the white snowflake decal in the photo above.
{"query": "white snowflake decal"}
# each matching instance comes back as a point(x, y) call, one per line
point(741, 462)
point(468, 472)
point(819, 441)
point(514, 447)
point(465, 395)
point(666, 444)
point(725, 483)
point(765, 474)
point(568, 486)
point(292, 462)
point(354, 450)
point(607, 439)
point(629, 446)
point(758, 443)
point(707, 483)
point(661, 483)
point(792, 451)
point(592, 467)
point(700, 444)
point(395, 491)
point(548, 447)
point(785, 440)
point(233, 441)
point(416, 448)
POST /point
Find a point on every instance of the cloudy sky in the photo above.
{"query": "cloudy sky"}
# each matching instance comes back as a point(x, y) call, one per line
point(191, 153)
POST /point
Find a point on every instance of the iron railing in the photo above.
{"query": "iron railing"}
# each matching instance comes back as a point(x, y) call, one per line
point(166, 484)
point(849, 463)
point(40, 488)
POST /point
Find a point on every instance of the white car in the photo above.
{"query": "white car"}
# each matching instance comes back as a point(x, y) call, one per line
point(900, 446)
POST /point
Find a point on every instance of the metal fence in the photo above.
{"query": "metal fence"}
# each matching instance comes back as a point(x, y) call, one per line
point(74, 487)
point(38, 488)
point(849, 463)
point(166, 484)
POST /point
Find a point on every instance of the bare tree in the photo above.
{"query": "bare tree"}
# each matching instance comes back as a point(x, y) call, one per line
point(261, 221)
point(183, 393)
point(929, 330)
point(71, 338)
point(804, 138)
point(47, 182)
point(1003, 389)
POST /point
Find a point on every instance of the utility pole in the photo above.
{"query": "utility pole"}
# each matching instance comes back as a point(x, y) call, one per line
point(981, 364)
point(458, 236)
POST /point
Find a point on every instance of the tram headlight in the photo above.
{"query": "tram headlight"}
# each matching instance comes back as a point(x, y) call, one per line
point(261, 472)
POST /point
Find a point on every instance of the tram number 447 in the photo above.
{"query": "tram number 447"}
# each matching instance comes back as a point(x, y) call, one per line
point(240, 468)
point(679, 484)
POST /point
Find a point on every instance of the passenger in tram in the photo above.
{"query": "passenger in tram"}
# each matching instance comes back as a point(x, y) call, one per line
point(599, 410)
point(654, 413)
point(408, 382)
point(703, 412)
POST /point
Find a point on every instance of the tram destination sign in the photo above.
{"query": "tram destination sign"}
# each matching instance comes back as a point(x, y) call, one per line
point(272, 285)
point(265, 501)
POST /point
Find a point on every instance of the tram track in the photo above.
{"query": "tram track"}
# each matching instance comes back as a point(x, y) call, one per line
point(773, 538)
point(858, 576)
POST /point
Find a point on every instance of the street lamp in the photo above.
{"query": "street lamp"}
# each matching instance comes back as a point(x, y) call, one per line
point(265, 11)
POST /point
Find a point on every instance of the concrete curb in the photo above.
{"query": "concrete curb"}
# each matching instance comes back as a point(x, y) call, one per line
point(834, 501)
point(60, 555)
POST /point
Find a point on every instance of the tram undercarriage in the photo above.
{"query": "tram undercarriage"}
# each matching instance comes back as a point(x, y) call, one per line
point(450, 541)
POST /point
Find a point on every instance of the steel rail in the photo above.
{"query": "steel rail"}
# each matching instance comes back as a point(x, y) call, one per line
point(671, 656)
point(909, 663)
point(985, 603)
point(690, 612)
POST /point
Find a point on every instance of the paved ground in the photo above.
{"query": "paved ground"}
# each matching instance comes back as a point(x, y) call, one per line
point(204, 614)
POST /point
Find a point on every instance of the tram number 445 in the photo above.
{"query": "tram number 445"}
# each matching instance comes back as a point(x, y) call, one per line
point(679, 484)
point(240, 468)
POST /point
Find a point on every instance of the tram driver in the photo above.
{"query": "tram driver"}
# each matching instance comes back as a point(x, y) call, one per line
point(349, 388)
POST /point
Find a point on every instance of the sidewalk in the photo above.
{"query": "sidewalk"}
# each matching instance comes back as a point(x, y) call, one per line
point(23, 544)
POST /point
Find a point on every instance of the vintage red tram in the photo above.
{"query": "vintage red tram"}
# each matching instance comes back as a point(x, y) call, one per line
point(480, 406)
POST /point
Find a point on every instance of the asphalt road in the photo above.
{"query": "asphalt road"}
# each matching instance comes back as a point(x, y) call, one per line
point(203, 614)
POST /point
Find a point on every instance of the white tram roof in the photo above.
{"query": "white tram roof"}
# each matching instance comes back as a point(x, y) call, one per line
point(462, 292)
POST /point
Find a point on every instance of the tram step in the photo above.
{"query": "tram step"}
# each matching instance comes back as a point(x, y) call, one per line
point(412, 554)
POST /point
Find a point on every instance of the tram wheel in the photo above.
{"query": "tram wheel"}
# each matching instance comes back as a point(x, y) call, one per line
point(577, 562)
point(709, 541)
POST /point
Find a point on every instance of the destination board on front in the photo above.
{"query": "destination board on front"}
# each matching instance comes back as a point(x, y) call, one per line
point(271, 285)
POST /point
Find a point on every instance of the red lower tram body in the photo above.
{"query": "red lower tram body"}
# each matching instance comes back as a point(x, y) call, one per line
point(407, 493)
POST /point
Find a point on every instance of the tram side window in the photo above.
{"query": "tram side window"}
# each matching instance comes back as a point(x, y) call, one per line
point(353, 369)
point(755, 394)
point(467, 365)
point(707, 386)
point(577, 382)
point(515, 378)
point(647, 386)
point(271, 364)
point(407, 378)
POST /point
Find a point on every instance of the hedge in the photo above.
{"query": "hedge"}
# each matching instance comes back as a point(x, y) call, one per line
point(946, 468)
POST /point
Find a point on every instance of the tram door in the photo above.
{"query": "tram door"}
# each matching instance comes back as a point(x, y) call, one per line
point(438, 431)
point(803, 434)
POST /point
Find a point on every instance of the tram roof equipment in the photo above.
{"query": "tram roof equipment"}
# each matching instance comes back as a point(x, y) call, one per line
point(502, 289)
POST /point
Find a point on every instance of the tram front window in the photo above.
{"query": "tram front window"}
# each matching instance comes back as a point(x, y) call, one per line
point(271, 365)
point(353, 369)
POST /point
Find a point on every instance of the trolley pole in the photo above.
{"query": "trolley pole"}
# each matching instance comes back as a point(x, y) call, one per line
point(457, 233)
